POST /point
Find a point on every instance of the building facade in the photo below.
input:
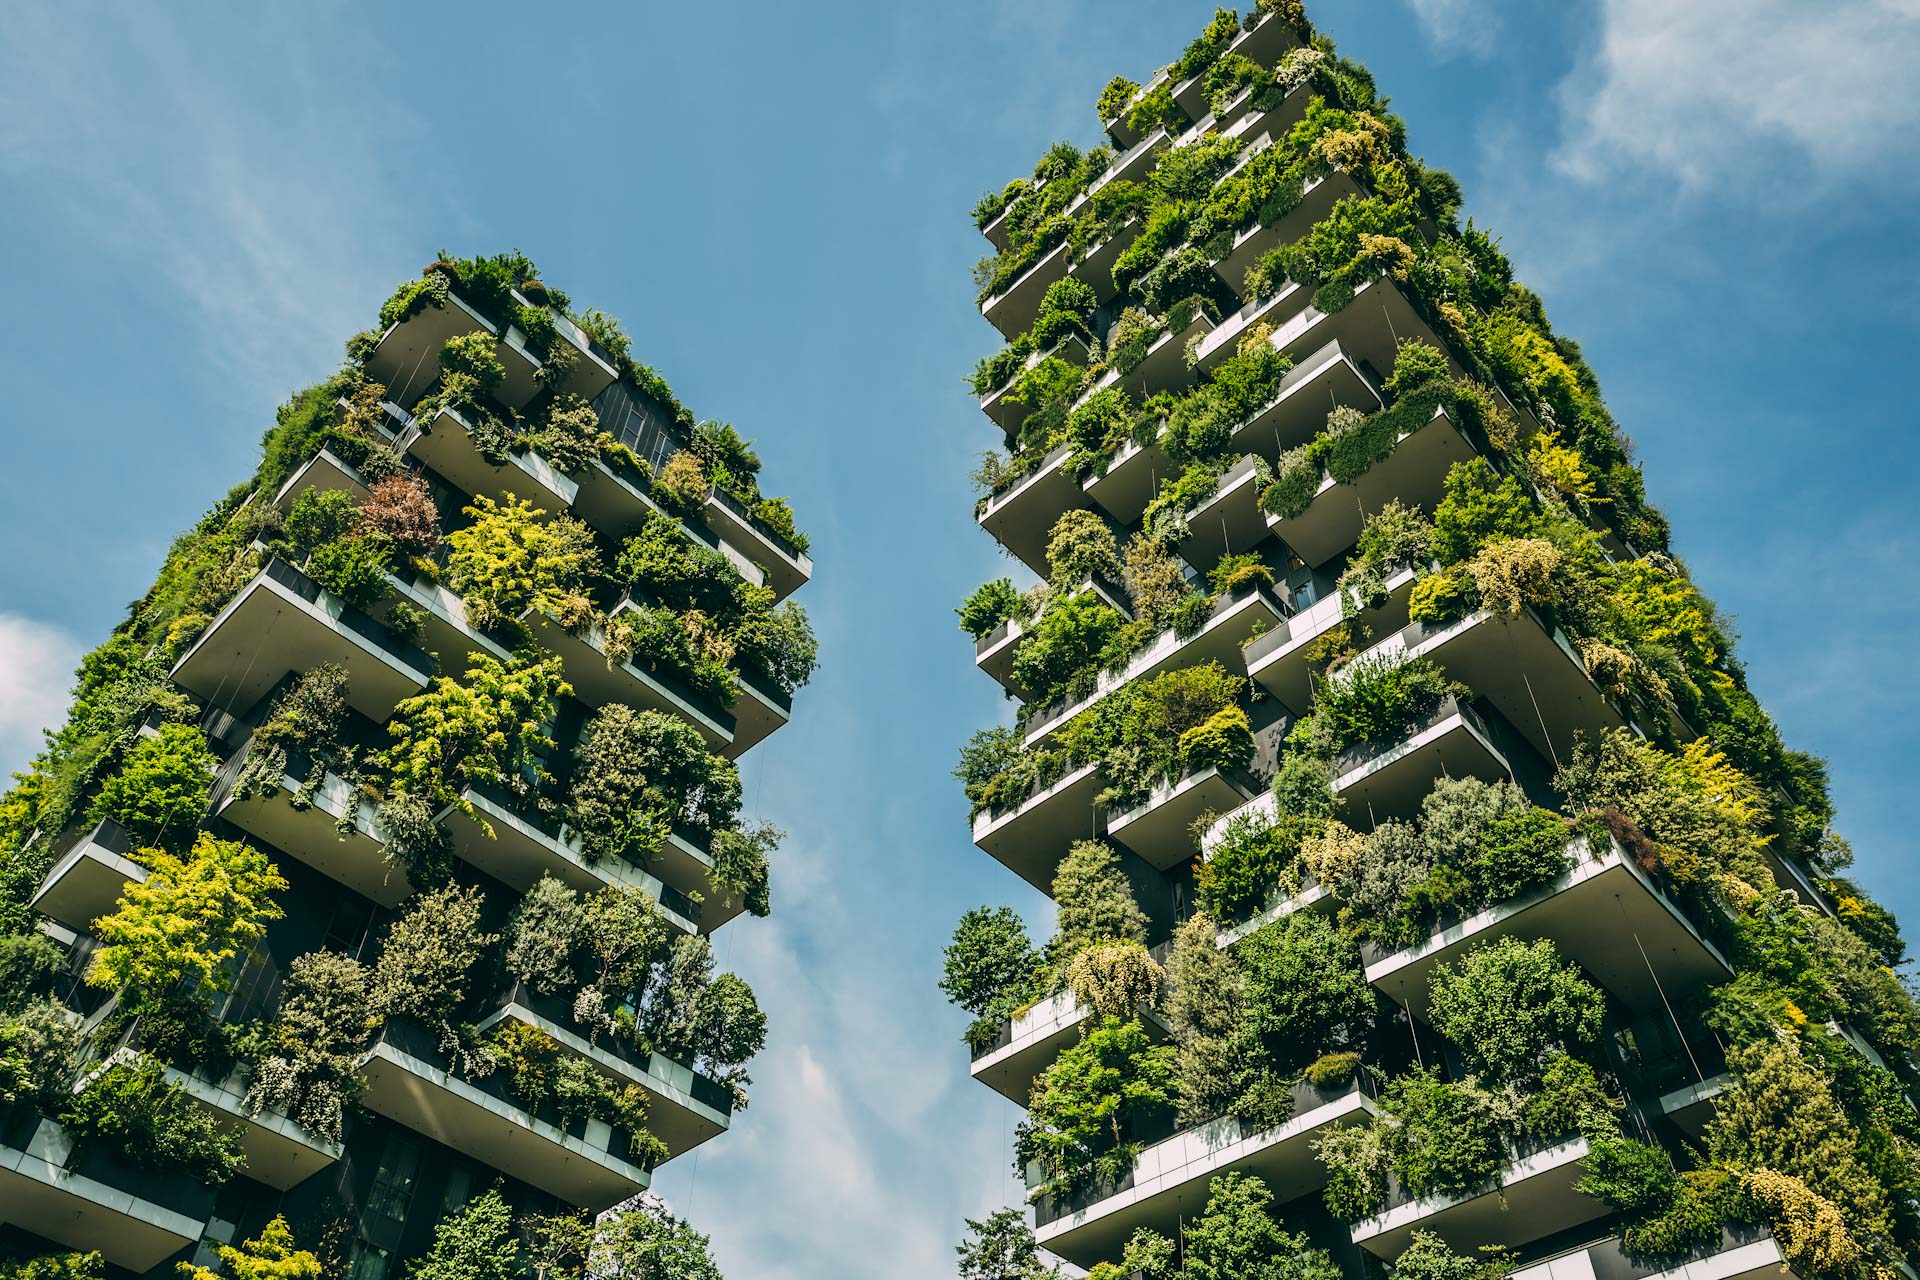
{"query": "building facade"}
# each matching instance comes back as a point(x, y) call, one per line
point(375, 869)
point(1426, 878)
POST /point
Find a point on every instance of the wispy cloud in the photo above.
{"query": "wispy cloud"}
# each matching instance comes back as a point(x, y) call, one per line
point(239, 178)
point(1742, 89)
point(36, 669)
point(1468, 26)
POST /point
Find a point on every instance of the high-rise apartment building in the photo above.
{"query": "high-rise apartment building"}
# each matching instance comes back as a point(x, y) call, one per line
point(1426, 877)
point(369, 885)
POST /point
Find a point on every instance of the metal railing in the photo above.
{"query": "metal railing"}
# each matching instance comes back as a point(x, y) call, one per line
point(759, 525)
point(1353, 757)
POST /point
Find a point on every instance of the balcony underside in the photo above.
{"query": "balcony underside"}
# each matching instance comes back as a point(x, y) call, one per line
point(994, 654)
point(1415, 473)
point(1159, 830)
point(1313, 388)
point(407, 360)
point(1604, 914)
point(1171, 1179)
point(357, 859)
point(1532, 1198)
point(1031, 840)
point(418, 1094)
point(1013, 310)
point(1393, 782)
point(1036, 1038)
point(268, 630)
point(446, 633)
point(86, 1208)
point(1022, 518)
point(1279, 308)
point(446, 444)
point(279, 1152)
point(1164, 367)
point(1278, 662)
point(1096, 266)
point(322, 473)
point(1369, 328)
point(786, 571)
point(1229, 522)
point(87, 882)
point(1130, 479)
point(597, 681)
point(756, 715)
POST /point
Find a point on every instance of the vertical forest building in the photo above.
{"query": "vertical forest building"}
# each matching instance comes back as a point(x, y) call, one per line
point(366, 896)
point(1433, 898)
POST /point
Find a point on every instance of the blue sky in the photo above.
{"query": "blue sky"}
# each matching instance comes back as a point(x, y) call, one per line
point(1714, 198)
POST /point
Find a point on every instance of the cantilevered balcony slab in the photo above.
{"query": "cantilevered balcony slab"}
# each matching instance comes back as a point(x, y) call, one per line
point(1095, 263)
point(1369, 328)
point(1312, 896)
point(282, 621)
point(1692, 1105)
point(592, 372)
point(1169, 1181)
point(87, 881)
point(1031, 837)
point(1278, 659)
point(407, 359)
point(88, 1200)
point(335, 834)
point(1316, 385)
point(1009, 414)
point(1279, 308)
point(1528, 1200)
point(1317, 198)
point(523, 847)
point(1131, 165)
point(993, 653)
point(598, 679)
point(759, 708)
point(324, 472)
point(616, 503)
point(1164, 366)
point(408, 1082)
point(1741, 1253)
point(446, 444)
point(1029, 1043)
point(684, 1108)
point(279, 1152)
point(1415, 473)
point(684, 863)
point(1014, 309)
point(1265, 43)
point(1158, 828)
point(1374, 781)
point(1230, 521)
point(1235, 619)
point(447, 633)
point(1531, 673)
point(1603, 912)
point(787, 568)
point(1022, 518)
point(1130, 479)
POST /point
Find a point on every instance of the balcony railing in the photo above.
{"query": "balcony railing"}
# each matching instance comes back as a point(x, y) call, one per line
point(374, 633)
point(760, 526)
point(1353, 757)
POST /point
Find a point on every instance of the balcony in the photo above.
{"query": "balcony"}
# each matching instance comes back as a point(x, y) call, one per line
point(1530, 673)
point(1234, 621)
point(1022, 518)
point(1231, 520)
point(334, 834)
point(785, 567)
point(684, 864)
point(1130, 479)
point(447, 633)
point(1169, 1181)
point(615, 501)
point(1031, 837)
point(684, 1108)
point(282, 621)
point(598, 679)
point(1692, 1105)
point(1095, 264)
point(1164, 366)
point(91, 1199)
point(1312, 896)
point(279, 1152)
point(1604, 913)
point(1279, 308)
point(1278, 659)
point(593, 371)
point(1265, 44)
point(1369, 328)
point(324, 472)
point(1131, 165)
point(759, 708)
point(1529, 1199)
point(1741, 1253)
point(993, 653)
point(1014, 309)
point(446, 444)
point(1415, 472)
point(409, 1081)
point(525, 846)
point(1029, 1042)
point(87, 881)
point(1298, 411)
point(1006, 414)
point(1159, 829)
point(1317, 198)
point(1376, 780)
point(407, 360)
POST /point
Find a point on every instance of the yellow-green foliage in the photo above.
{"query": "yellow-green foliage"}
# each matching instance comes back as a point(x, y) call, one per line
point(510, 560)
point(271, 1257)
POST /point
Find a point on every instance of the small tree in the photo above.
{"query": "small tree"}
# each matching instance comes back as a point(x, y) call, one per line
point(637, 774)
point(56, 1266)
point(1093, 901)
point(1001, 1247)
point(510, 560)
point(186, 923)
point(1084, 1105)
point(1238, 1238)
point(271, 1257)
point(1203, 1010)
point(428, 958)
point(489, 729)
point(541, 937)
point(476, 1243)
point(1506, 1005)
point(307, 1070)
point(1081, 545)
point(1113, 978)
point(401, 510)
point(991, 967)
point(646, 1242)
point(161, 788)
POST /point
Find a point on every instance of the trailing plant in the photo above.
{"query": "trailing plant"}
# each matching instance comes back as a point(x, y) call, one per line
point(130, 1108)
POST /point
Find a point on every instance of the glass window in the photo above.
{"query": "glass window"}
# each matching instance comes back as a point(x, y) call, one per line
point(368, 1261)
point(392, 1192)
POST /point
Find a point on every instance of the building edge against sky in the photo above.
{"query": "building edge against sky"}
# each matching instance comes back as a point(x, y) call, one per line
point(367, 890)
point(1426, 878)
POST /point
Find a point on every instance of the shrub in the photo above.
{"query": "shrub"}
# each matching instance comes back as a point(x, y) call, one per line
point(131, 1108)
point(638, 774)
point(1505, 1005)
point(1081, 545)
point(991, 604)
point(1086, 1103)
point(1633, 1177)
point(490, 729)
point(570, 437)
point(1513, 573)
point(1442, 1136)
point(39, 1051)
point(1238, 1237)
point(1416, 365)
point(1202, 1009)
point(1305, 993)
point(272, 1256)
point(1249, 863)
point(510, 560)
point(991, 968)
point(1223, 741)
point(1115, 97)
point(427, 959)
point(1704, 1201)
point(307, 1065)
point(1093, 901)
point(1377, 697)
point(541, 936)
point(1439, 597)
point(161, 787)
point(475, 1242)
point(1113, 978)
point(401, 510)
point(682, 484)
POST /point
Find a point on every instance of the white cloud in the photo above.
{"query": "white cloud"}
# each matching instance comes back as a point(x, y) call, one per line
point(36, 670)
point(1712, 89)
point(1466, 25)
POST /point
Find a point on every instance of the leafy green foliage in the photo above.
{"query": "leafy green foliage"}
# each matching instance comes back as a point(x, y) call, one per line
point(1507, 1004)
point(161, 788)
point(131, 1109)
point(1084, 1105)
point(991, 969)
